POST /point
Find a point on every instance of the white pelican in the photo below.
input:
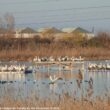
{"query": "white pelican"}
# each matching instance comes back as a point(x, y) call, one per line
point(54, 79)
point(53, 85)
point(51, 59)
point(108, 66)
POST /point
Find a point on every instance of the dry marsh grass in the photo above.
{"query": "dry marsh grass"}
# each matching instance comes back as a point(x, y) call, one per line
point(26, 49)
point(87, 53)
point(66, 103)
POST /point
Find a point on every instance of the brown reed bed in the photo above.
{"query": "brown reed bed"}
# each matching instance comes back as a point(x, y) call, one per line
point(27, 48)
point(66, 103)
point(91, 53)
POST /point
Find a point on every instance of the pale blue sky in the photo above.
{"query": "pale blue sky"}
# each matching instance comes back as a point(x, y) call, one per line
point(58, 13)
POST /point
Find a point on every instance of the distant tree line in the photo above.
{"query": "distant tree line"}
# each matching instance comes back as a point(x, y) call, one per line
point(101, 40)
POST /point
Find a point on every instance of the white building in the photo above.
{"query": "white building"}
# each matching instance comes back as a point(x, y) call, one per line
point(26, 33)
point(79, 30)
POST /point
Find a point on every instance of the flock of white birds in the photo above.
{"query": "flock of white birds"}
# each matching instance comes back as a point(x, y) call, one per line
point(14, 68)
point(100, 66)
point(58, 59)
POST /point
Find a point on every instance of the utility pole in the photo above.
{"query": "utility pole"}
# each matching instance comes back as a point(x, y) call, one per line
point(92, 29)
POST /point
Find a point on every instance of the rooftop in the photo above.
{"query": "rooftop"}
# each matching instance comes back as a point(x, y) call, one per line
point(28, 30)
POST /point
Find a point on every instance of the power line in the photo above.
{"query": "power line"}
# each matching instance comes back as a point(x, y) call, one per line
point(63, 21)
point(65, 9)
point(26, 2)
point(52, 15)
point(56, 15)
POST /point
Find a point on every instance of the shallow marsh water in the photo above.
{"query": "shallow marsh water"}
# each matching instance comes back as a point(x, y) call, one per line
point(36, 85)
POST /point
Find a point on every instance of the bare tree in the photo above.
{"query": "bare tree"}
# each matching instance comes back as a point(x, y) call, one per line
point(10, 23)
point(1, 23)
point(2, 28)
